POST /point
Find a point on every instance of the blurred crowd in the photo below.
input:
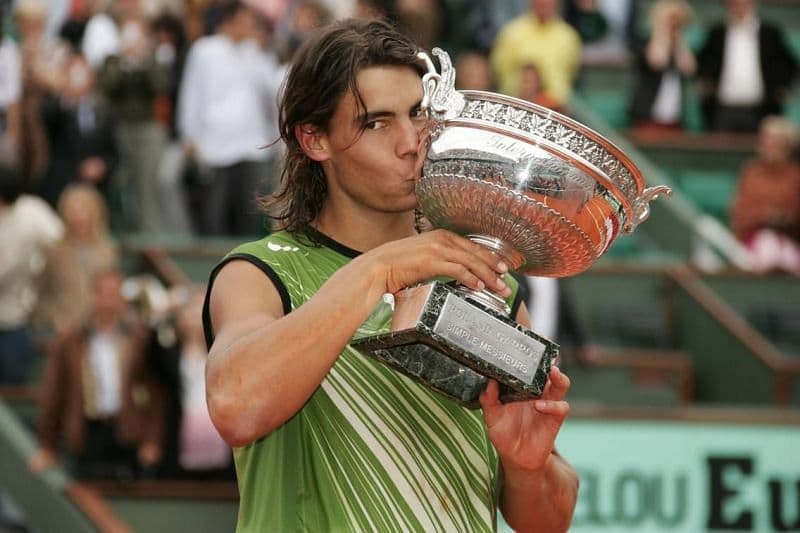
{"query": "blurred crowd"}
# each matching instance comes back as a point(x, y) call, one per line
point(160, 116)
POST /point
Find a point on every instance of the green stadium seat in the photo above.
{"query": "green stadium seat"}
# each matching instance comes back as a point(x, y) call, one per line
point(780, 323)
point(611, 105)
point(710, 191)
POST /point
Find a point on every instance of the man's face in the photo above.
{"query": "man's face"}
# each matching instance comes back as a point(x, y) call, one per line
point(375, 170)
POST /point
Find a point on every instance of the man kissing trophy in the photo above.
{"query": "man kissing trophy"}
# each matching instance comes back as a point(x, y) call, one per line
point(545, 193)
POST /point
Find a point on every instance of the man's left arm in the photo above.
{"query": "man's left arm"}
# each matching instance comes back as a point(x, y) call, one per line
point(539, 487)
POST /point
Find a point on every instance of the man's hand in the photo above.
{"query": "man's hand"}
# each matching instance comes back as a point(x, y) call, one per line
point(539, 487)
point(406, 262)
point(524, 433)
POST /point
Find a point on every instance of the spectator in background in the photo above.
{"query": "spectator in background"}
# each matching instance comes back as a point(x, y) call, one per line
point(132, 82)
point(765, 213)
point(85, 250)
point(532, 90)
point(192, 447)
point(42, 61)
point(473, 71)
point(587, 18)
point(73, 28)
point(374, 9)
point(80, 133)
point(664, 63)
point(542, 38)
point(294, 26)
point(97, 394)
point(421, 20)
point(10, 93)
point(745, 69)
point(28, 226)
point(227, 120)
point(100, 36)
point(171, 47)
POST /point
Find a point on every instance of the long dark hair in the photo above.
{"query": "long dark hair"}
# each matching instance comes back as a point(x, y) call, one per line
point(323, 71)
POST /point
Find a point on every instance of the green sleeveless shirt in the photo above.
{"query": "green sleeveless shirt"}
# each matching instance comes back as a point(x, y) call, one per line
point(371, 450)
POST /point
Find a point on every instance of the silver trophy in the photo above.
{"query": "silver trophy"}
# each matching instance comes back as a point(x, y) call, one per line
point(545, 193)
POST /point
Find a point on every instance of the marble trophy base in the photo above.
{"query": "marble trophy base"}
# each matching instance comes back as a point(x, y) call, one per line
point(453, 344)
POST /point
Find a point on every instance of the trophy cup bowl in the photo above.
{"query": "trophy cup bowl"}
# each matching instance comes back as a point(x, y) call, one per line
point(545, 193)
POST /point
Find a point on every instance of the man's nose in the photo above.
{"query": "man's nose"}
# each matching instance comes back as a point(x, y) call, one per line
point(408, 137)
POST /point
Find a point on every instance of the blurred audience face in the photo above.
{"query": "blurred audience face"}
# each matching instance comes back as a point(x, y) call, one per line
point(530, 83)
point(739, 9)
point(242, 25)
point(370, 9)
point(668, 17)
point(545, 9)
point(127, 9)
point(307, 17)
point(473, 72)
point(80, 78)
point(30, 17)
point(82, 210)
point(777, 139)
point(107, 300)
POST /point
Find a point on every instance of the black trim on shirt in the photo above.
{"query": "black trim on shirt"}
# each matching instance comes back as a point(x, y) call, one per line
point(518, 299)
point(317, 236)
point(286, 300)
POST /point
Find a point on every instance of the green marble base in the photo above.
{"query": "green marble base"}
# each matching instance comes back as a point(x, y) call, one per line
point(453, 344)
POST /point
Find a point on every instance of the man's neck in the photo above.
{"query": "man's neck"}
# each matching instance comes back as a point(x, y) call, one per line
point(364, 232)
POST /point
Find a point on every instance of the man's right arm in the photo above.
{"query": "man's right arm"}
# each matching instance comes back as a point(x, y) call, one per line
point(263, 365)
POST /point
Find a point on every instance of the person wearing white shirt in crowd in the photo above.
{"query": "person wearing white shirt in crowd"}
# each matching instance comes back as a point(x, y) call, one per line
point(101, 38)
point(745, 68)
point(28, 226)
point(227, 120)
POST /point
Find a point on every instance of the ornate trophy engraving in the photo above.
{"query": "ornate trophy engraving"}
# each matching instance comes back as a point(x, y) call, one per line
point(545, 193)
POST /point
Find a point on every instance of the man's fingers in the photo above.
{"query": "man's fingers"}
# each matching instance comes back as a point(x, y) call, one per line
point(490, 397)
point(557, 386)
point(552, 407)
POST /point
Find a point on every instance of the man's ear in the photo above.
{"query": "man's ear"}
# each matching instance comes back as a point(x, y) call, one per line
point(311, 141)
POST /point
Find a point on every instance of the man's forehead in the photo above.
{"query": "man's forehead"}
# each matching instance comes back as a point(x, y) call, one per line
point(387, 87)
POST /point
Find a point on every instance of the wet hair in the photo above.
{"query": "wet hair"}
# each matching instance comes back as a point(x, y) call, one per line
point(323, 71)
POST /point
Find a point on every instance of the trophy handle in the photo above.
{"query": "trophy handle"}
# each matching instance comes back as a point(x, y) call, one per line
point(641, 206)
point(440, 98)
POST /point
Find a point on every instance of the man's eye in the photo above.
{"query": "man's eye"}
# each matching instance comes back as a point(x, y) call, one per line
point(418, 113)
point(375, 124)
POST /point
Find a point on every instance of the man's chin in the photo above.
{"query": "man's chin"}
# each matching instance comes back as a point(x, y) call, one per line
point(406, 204)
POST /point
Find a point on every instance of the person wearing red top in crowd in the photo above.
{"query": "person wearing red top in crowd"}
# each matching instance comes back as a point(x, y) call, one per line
point(765, 214)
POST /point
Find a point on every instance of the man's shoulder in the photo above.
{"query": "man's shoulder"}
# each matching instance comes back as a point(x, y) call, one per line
point(274, 247)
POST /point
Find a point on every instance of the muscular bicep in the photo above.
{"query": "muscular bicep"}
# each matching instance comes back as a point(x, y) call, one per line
point(243, 299)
